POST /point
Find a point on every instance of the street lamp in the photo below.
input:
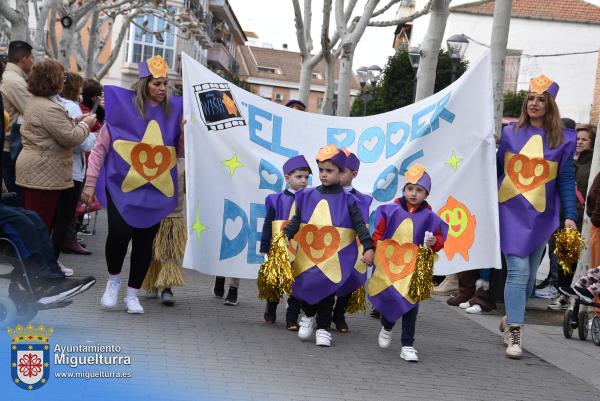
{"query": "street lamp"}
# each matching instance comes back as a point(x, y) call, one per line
point(457, 46)
point(368, 74)
point(414, 56)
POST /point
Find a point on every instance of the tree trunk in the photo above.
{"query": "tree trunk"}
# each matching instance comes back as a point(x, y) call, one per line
point(306, 70)
point(90, 60)
point(40, 40)
point(500, 29)
point(345, 79)
point(328, 98)
point(18, 18)
point(431, 48)
point(584, 263)
point(65, 46)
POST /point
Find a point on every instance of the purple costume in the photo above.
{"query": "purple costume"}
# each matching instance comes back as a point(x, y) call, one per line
point(139, 170)
point(327, 249)
point(388, 288)
point(358, 276)
point(527, 187)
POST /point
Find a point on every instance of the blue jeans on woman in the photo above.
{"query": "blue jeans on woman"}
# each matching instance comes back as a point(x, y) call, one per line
point(520, 281)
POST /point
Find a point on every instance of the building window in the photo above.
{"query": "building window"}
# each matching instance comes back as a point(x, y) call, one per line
point(317, 75)
point(269, 70)
point(160, 40)
point(511, 70)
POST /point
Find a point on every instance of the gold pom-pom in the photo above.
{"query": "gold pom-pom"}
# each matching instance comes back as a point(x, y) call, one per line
point(357, 301)
point(275, 275)
point(568, 245)
point(421, 282)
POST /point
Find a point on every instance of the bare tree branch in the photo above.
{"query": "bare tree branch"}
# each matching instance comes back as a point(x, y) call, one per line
point(404, 20)
point(117, 45)
point(384, 8)
point(307, 24)
point(299, 23)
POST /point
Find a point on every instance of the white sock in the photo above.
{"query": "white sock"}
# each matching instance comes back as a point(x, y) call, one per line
point(131, 292)
point(115, 278)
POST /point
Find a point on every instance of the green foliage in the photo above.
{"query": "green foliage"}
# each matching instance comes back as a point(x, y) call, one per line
point(513, 102)
point(235, 79)
point(395, 89)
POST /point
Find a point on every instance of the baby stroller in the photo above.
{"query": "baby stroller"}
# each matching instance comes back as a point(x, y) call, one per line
point(579, 319)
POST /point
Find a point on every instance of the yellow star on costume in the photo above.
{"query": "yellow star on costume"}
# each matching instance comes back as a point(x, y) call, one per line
point(233, 164)
point(454, 160)
point(197, 226)
point(319, 244)
point(150, 160)
point(526, 173)
point(395, 260)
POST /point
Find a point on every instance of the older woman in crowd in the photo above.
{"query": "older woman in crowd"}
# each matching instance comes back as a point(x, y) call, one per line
point(45, 165)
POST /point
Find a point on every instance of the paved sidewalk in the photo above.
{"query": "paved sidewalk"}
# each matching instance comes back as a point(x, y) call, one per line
point(200, 349)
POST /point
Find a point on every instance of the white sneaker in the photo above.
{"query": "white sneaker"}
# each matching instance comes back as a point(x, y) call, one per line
point(464, 305)
point(68, 272)
point(385, 338)
point(111, 294)
point(307, 326)
point(323, 338)
point(548, 292)
point(409, 354)
point(475, 309)
point(133, 305)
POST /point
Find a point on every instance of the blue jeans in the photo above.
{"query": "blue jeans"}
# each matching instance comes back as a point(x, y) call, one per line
point(520, 282)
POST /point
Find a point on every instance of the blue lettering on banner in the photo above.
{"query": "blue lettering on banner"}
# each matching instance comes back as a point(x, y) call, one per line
point(249, 232)
point(334, 133)
point(231, 247)
point(255, 126)
point(406, 162)
point(372, 141)
point(257, 211)
point(392, 148)
point(386, 185)
point(368, 151)
point(442, 112)
point(272, 172)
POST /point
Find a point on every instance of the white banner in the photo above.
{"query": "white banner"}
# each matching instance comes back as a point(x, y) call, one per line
point(237, 142)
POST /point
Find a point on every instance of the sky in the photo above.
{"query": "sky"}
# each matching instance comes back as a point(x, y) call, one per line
point(276, 27)
point(273, 22)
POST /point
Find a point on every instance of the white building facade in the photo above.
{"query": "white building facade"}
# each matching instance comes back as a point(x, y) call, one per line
point(528, 39)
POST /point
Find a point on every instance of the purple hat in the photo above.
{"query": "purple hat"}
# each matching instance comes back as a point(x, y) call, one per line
point(352, 161)
point(333, 154)
point(155, 66)
point(543, 84)
point(294, 163)
point(293, 102)
point(417, 175)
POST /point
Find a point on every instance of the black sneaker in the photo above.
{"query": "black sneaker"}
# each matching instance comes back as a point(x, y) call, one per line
point(219, 289)
point(271, 312)
point(57, 290)
point(543, 284)
point(568, 291)
point(231, 299)
point(583, 293)
point(292, 326)
point(166, 297)
point(341, 325)
point(375, 314)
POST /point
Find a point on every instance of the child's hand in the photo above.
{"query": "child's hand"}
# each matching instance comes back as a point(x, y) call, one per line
point(429, 239)
point(368, 257)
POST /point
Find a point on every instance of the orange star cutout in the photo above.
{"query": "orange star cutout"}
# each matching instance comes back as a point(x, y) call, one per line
point(526, 173)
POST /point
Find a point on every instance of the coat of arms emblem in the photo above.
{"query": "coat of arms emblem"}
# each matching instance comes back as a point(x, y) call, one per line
point(30, 355)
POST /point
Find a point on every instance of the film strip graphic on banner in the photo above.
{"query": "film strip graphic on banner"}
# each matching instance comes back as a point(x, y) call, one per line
point(217, 106)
